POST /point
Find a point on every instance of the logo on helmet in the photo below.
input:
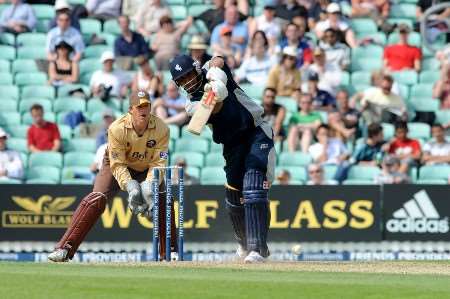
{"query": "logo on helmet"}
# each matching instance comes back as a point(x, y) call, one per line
point(178, 68)
point(141, 94)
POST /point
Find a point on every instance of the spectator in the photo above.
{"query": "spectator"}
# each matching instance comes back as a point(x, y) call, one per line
point(98, 159)
point(63, 70)
point(377, 10)
point(17, 18)
point(372, 151)
point(102, 135)
point(437, 150)
point(256, 68)
point(344, 120)
point(64, 32)
point(441, 89)
point(330, 75)
point(317, 10)
point(284, 178)
point(303, 123)
point(171, 108)
point(258, 38)
point(328, 150)
point(63, 6)
point(285, 77)
point(288, 9)
point(225, 48)
point(42, 135)
point(216, 15)
point(129, 43)
point(239, 34)
point(391, 173)
point(145, 79)
point(188, 179)
point(148, 16)
point(407, 150)
point(267, 23)
point(379, 104)
point(103, 10)
point(294, 37)
point(108, 82)
point(11, 166)
point(322, 100)
point(402, 56)
point(167, 41)
point(274, 113)
point(336, 52)
point(316, 175)
point(197, 49)
point(335, 22)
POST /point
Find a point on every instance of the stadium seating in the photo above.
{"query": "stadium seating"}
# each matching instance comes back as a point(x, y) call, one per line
point(45, 159)
point(212, 175)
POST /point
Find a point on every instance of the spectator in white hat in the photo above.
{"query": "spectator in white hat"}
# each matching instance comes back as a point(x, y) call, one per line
point(197, 49)
point(335, 22)
point(63, 6)
point(108, 82)
point(11, 166)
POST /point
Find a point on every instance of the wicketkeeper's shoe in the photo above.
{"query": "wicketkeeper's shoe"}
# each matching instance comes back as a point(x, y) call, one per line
point(58, 255)
point(254, 258)
point(174, 256)
point(241, 252)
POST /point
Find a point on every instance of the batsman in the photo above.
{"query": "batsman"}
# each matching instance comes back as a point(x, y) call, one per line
point(236, 123)
point(137, 142)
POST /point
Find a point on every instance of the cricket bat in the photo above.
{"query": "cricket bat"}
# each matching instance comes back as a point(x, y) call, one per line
point(202, 114)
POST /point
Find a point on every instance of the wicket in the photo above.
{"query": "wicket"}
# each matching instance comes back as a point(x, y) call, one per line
point(169, 199)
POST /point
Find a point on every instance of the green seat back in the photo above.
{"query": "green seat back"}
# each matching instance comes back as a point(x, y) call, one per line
point(192, 158)
point(45, 159)
point(84, 159)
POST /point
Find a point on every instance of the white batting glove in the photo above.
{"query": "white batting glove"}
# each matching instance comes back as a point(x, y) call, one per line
point(219, 89)
point(216, 74)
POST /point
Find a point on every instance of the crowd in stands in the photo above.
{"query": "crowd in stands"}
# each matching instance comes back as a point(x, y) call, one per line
point(348, 86)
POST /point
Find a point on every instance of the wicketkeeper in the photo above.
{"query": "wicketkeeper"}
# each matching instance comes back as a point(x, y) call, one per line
point(137, 142)
point(248, 149)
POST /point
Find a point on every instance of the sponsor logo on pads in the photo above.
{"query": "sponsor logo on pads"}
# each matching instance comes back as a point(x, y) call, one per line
point(418, 215)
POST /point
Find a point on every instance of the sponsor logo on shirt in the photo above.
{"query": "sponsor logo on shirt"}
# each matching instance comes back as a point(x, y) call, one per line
point(151, 143)
point(164, 155)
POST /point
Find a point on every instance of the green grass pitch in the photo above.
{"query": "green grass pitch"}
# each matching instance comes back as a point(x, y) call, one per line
point(220, 280)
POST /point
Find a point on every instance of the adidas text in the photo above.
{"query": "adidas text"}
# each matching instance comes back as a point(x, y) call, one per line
point(409, 225)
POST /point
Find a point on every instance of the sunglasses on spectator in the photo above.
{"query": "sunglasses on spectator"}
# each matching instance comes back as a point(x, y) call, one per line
point(315, 171)
point(272, 96)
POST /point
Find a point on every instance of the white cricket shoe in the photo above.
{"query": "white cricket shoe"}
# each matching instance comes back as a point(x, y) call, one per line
point(254, 258)
point(59, 255)
point(241, 252)
point(174, 256)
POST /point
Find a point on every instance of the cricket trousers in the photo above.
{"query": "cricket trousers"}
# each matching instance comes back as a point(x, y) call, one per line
point(92, 206)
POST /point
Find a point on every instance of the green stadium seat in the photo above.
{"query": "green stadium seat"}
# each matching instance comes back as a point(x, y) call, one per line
point(64, 91)
point(6, 79)
point(31, 53)
point(71, 172)
point(44, 11)
point(298, 173)
point(25, 104)
point(31, 39)
point(89, 65)
point(39, 91)
point(90, 26)
point(419, 130)
point(294, 159)
point(287, 102)
point(424, 104)
point(75, 2)
point(8, 119)
point(366, 64)
point(429, 76)
point(361, 77)
point(111, 26)
point(431, 182)
point(36, 78)
point(422, 90)
point(434, 172)
point(414, 39)
point(205, 134)
point(193, 171)
point(24, 66)
point(45, 159)
point(8, 105)
point(405, 77)
point(192, 145)
point(212, 176)
point(83, 159)
point(378, 37)
point(80, 145)
point(7, 52)
point(18, 144)
point(96, 50)
point(345, 78)
point(27, 120)
point(4, 181)
point(214, 159)
point(443, 116)
point(5, 65)
point(371, 51)
point(7, 39)
point(42, 26)
point(255, 92)
point(197, 9)
point(192, 158)
point(215, 147)
point(179, 2)
point(41, 182)
point(403, 11)
point(430, 64)
point(398, 21)
point(50, 173)
point(363, 173)
point(358, 182)
point(18, 131)
point(67, 104)
point(76, 182)
point(65, 131)
point(329, 171)
point(404, 90)
point(174, 131)
point(95, 105)
point(364, 25)
point(179, 12)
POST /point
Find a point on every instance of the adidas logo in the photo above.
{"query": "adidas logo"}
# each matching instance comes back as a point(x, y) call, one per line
point(418, 215)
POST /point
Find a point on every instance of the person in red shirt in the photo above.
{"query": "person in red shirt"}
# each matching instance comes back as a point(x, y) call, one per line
point(402, 56)
point(42, 135)
point(404, 148)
